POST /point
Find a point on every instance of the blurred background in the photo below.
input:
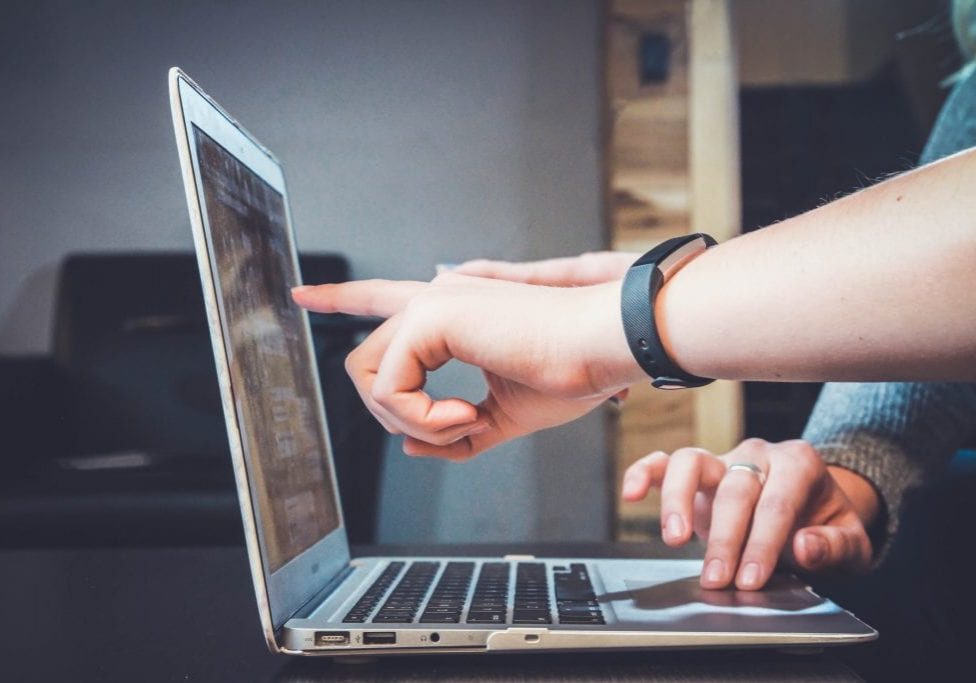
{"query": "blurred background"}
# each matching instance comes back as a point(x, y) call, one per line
point(412, 133)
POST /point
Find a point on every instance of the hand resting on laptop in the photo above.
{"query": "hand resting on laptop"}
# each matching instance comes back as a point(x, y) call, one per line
point(812, 516)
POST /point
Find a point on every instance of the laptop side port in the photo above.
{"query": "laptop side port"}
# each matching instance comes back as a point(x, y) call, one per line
point(379, 638)
point(328, 638)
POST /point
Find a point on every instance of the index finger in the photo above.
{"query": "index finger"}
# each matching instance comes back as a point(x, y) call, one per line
point(381, 298)
point(553, 272)
point(591, 268)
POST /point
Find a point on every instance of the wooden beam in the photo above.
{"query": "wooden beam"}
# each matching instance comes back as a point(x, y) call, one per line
point(713, 97)
point(669, 143)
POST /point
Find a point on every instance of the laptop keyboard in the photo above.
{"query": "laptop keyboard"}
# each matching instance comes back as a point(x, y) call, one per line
point(491, 602)
point(402, 605)
point(575, 600)
point(531, 594)
point(367, 603)
point(447, 601)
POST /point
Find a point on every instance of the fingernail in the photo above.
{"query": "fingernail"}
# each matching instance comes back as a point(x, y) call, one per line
point(481, 429)
point(815, 547)
point(750, 574)
point(674, 527)
point(442, 268)
point(631, 486)
point(300, 288)
point(715, 571)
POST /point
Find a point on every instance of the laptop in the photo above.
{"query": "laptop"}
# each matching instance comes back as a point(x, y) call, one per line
point(312, 597)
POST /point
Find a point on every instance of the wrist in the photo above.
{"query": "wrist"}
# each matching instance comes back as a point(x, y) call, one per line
point(612, 365)
point(861, 493)
point(643, 284)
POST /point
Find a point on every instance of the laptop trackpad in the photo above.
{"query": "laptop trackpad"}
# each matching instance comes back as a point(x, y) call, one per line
point(668, 597)
point(781, 593)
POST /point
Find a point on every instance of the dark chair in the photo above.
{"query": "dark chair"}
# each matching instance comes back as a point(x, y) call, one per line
point(119, 438)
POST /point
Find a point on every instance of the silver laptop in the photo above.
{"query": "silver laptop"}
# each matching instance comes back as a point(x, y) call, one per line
point(313, 598)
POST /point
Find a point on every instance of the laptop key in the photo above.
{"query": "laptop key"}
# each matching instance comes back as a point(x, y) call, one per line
point(440, 619)
point(531, 616)
point(531, 604)
point(492, 617)
point(575, 599)
point(580, 619)
point(490, 594)
point(392, 619)
point(583, 606)
point(574, 592)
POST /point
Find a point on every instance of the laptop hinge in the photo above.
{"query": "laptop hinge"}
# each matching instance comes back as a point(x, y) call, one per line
point(305, 610)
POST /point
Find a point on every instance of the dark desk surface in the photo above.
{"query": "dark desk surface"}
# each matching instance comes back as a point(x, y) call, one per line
point(188, 614)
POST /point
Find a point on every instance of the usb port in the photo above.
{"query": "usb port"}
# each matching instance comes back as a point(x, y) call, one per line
point(332, 637)
point(379, 638)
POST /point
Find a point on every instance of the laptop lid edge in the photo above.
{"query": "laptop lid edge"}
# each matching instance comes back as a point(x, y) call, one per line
point(334, 544)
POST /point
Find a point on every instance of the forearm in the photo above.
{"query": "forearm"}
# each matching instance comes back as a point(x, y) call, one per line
point(879, 285)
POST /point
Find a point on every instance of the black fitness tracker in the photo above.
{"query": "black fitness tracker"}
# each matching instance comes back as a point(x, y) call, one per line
point(641, 284)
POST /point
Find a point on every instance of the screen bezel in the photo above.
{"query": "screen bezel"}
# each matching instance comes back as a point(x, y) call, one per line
point(281, 593)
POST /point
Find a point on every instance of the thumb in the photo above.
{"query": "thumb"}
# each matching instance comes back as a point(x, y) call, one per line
point(839, 546)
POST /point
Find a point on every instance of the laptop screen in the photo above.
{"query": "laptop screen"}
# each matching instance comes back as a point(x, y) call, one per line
point(285, 445)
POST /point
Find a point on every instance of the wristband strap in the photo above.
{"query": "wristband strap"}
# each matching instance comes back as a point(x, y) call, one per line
point(641, 284)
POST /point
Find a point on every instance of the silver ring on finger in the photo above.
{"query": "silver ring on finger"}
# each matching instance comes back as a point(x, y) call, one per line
point(752, 469)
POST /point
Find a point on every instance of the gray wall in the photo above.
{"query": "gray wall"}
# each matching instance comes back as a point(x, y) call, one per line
point(412, 133)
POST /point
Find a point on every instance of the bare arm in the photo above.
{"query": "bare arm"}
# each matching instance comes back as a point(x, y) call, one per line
point(879, 285)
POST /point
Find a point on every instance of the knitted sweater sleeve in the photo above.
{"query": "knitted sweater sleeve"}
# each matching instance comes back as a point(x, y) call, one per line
point(893, 434)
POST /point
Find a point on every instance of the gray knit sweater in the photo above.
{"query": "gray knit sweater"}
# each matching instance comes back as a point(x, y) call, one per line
point(898, 434)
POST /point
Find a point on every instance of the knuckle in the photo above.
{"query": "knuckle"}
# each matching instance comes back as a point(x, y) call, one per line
point(415, 305)
point(689, 456)
point(422, 310)
point(804, 451)
point(448, 278)
point(381, 394)
point(809, 470)
point(649, 459)
point(754, 443)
